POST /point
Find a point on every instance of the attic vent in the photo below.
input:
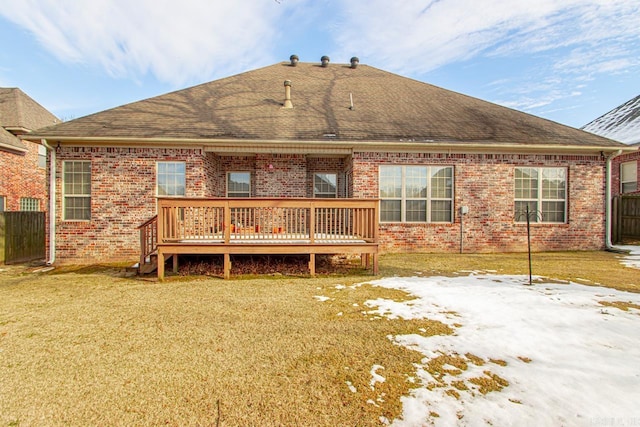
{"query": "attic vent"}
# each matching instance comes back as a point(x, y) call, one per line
point(324, 61)
point(329, 135)
point(354, 62)
point(287, 94)
point(294, 60)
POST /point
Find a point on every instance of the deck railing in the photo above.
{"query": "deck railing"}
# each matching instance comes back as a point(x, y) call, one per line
point(230, 221)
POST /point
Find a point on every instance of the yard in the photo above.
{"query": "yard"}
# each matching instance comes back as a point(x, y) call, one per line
point(465, 336)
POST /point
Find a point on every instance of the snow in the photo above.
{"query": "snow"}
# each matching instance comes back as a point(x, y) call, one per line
point(568, 360)
point(621, 124)
point(631, 260)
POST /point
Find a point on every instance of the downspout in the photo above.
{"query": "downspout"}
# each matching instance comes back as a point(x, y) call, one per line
point(52, 203)
point(607, 232)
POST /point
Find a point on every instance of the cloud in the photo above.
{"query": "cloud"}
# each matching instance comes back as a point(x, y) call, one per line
point(176, 41)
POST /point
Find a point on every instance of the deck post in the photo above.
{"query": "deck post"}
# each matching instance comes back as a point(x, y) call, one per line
point(375, 264)
point(227, 266)
point(312, 264)
point(160, 264)
point(175, 263)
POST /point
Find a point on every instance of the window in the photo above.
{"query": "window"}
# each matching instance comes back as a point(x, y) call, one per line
point(629, 177)
point(2, 203)
point(77, 190)
point(416, 193)
point(543, 191)
point(42, 156)
point(170, 179)
point(238, 184)
point(325, 185)
point(29, 204)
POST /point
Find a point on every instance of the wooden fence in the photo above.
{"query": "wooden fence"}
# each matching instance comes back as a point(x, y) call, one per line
point(625, 218)
point(22, 236)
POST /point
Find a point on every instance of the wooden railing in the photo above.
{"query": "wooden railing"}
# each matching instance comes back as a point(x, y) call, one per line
point(148, 239)
point(227, 221)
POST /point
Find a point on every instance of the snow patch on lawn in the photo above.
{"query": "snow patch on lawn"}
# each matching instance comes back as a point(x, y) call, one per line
point(556, 355)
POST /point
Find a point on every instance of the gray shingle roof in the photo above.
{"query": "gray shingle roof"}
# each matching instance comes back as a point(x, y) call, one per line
point(19, 111)
point(386, 107)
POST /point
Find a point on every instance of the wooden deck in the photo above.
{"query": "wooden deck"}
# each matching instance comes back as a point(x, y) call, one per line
point(260, 226)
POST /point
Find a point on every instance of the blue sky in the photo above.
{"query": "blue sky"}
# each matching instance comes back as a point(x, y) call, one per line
point(569, 61)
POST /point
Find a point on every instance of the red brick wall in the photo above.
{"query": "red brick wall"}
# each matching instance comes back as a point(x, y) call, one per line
point(22, 177)
point(485, 183)
point(122, 197)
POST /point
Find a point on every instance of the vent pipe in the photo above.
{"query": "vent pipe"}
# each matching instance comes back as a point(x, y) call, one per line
point(287, 94)
point(354, 62)
point(324, 61)
point(294, 60)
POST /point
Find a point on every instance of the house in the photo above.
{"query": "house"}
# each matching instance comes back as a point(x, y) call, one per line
point(321, 158)
point(622, 124)
point(23, 179)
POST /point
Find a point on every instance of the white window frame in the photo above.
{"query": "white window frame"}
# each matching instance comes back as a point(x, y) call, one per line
point(428, 199)
point(238, 194)
point(325, 194)
point(538, 215)
point(66, 196)
point(179, 180)
point(3, 203)
point(629, 177)
point(29, 204)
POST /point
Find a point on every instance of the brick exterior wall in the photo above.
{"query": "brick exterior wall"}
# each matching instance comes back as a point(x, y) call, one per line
point(485, 183)
point(615, 171)
point(124, 180)
point(22, 177)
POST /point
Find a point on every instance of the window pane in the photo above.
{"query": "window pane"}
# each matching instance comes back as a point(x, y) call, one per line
point(442, 182)
point(553, 211)
point(629, 187)
point(441, 211)
point(526, 183)
point(77, 208)
point(77, 189)
point(553, 183)
point(170, 179)
point(239, 184)
point(415, 182)
point(324, 185)
point(390, 182)
point(521, 211)
point(416, 211)
point(390, 210)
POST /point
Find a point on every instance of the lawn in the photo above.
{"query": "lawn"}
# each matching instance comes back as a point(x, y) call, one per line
point(89, 346)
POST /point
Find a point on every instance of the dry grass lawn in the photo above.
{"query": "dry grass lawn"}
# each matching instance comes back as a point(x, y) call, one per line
point(91, 347)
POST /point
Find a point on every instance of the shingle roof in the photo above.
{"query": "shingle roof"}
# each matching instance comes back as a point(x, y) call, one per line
point(620, 124)
point(10, 142)
point(386, 107)
point(19, 111)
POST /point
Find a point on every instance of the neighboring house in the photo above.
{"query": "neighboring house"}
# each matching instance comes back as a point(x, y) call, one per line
point(432, 157)
point(622, 124)
point(23, 168)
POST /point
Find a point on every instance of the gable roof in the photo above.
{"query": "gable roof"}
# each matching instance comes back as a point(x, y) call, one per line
point(20, 113)
point(335, 104)
point(620, 124)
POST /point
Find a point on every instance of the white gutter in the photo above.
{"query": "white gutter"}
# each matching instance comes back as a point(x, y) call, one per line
point(607, 230)
point(52, 202)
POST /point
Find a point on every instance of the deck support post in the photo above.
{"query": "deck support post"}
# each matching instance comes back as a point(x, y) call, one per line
point(227, 266)
point(375, 263)
point(175, 263)
point(312, 264)
point(160, 264)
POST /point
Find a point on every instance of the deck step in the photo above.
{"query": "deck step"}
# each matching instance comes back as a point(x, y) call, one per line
point(150, 265)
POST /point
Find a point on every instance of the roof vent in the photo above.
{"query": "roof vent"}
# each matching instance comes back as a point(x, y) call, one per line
point(354, 62)
point(294, 60)
point(324, 61)
point(287, 94)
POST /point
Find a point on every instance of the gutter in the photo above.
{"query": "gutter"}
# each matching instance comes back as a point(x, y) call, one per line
point(607, 232)
point(52, 202)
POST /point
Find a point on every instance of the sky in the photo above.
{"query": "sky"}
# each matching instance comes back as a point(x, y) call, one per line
point(569, 61)
point(563, 357)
